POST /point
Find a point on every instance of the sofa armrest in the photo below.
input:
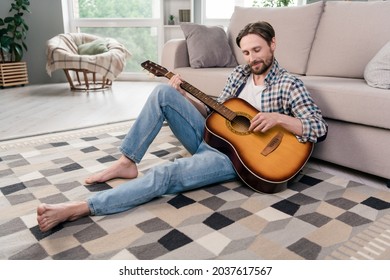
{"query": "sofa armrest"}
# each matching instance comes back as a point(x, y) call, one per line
point(175, 54)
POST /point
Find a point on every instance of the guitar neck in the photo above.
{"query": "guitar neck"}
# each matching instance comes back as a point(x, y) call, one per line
point(210, 102)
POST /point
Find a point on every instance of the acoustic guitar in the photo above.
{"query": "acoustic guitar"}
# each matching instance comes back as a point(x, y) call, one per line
point(265, 162)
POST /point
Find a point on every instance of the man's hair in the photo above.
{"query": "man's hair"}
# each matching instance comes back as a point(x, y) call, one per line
point(260, 28)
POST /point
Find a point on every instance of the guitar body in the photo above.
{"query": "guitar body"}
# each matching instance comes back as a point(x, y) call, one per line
point(263, 173)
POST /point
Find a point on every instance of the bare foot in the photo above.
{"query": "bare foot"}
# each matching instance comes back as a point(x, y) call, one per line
point(122, 168)
point(50, 215)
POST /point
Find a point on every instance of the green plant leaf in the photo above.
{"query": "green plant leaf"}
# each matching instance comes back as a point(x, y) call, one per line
point(5, 41)
point(18, 52)
point(18, 35)
point(9, 19)
point(14, 33)
point(18, 20)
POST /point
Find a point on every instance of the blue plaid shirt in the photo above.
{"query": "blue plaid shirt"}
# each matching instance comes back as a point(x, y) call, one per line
point(285, 94)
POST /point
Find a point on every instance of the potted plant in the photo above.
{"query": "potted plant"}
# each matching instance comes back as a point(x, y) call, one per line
point(13, 32)
point(171, 20)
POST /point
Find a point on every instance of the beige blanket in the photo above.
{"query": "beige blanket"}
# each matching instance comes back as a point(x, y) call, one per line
point(62, 53)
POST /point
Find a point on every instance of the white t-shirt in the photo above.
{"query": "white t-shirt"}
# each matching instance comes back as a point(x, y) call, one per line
point(252, 93)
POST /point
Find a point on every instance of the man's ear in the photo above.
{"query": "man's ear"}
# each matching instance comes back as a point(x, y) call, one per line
point(273, 44)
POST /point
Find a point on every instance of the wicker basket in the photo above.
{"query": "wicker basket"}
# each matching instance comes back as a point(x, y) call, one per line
point(13, 74)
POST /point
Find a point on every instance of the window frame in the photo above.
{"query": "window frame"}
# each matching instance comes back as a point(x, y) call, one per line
point(73, 24)
point(225, 21)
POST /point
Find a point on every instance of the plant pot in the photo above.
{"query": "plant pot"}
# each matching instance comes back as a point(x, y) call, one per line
point(13, 74)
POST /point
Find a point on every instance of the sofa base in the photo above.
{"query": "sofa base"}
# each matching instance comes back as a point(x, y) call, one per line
point(355, 146)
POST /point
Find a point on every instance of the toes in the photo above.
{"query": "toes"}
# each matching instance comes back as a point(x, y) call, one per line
point(41, 209)
point(42, 225)
point(91, 180)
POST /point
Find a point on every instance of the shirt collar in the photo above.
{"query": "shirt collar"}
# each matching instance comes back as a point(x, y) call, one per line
point(273, 73)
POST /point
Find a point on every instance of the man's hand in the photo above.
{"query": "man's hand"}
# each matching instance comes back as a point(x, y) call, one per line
point(175, 82)
point(263, 121)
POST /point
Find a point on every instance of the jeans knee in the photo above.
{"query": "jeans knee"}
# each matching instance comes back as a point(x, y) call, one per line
point(160, 90)
point(164, 94)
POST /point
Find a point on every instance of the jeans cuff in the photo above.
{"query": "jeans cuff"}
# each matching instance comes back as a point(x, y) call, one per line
point(91, 208)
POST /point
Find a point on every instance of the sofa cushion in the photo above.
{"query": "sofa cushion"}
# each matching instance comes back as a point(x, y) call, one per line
point(349, 35)
point(207, 46)
point(210, 81)
point(377, 71)
point(294, 27)
point(350, 100)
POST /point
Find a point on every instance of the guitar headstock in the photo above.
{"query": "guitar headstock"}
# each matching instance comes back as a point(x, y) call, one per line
point(154, 68)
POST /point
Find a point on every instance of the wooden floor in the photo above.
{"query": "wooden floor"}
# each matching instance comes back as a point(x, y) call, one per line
point(33, 110)
point(40, 109)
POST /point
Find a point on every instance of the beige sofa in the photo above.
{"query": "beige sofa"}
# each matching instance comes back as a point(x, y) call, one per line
point(330, 46)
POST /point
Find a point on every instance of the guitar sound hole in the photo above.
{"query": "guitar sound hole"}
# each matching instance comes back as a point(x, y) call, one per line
point(240, 124)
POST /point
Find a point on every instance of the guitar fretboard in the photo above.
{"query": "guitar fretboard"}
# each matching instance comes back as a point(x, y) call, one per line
point(214, 105)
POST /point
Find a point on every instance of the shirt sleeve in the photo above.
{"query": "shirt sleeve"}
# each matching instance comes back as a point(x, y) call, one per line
point(303, 107)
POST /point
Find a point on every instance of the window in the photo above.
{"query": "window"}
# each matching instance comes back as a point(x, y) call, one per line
point(218, 12)
point(223, 9)
point(134, 9)
point(134, 23)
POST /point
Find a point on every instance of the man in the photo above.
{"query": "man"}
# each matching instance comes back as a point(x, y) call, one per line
point(281, 98)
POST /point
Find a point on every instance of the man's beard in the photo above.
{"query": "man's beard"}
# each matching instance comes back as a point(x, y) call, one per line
point(264, 67)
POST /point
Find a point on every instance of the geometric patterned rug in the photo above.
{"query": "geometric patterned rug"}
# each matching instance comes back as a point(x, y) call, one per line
point(319, 217)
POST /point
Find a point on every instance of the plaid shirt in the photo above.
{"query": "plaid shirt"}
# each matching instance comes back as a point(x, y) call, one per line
point(285, 94)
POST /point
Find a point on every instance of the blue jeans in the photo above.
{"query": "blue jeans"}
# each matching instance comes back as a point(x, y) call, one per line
point(205, 166)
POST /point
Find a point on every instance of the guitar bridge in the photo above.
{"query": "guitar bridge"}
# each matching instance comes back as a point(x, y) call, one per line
point(273, 144)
